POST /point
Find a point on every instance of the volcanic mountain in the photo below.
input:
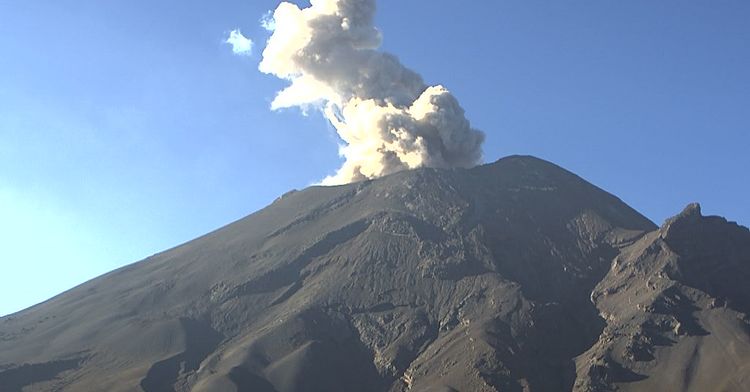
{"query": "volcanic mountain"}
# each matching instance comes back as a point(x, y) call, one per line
point(512, 276)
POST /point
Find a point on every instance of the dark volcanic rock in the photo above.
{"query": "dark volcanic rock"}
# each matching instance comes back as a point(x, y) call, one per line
point(513, 276)
point(676, 306)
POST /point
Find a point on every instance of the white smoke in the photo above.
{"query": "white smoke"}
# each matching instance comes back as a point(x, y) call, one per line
point(388, 118)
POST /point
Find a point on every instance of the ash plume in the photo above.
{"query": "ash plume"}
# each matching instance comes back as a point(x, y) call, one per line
point(387, 117)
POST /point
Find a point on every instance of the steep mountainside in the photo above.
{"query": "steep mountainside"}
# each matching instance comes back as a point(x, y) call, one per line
point(513, 276)
point(676, 304)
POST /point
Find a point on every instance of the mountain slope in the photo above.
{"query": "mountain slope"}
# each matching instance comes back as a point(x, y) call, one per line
point(453, 280)
point(676, 304)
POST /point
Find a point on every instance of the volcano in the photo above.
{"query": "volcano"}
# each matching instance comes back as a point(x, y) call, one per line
point(512, 276)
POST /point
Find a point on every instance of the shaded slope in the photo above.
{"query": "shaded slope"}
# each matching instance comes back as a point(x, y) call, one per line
point(676, 305)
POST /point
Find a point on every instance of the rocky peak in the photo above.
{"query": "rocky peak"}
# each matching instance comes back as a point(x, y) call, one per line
point(674, 226)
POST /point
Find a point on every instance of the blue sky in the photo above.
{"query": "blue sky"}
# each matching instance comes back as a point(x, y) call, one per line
point(128, 127)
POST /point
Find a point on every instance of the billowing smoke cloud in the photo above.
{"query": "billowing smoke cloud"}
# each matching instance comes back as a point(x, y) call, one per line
point(388, 118)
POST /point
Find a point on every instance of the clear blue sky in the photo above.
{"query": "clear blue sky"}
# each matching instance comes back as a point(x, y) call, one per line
point(128, 127)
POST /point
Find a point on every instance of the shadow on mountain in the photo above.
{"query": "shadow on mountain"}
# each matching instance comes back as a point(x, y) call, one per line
point(200, 339)
point(15, 379)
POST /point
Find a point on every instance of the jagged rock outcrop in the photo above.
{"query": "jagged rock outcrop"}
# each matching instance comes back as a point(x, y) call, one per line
point(676, 305)
point(513, 276)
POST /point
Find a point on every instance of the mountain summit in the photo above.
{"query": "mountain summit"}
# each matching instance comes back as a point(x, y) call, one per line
point(512, 276)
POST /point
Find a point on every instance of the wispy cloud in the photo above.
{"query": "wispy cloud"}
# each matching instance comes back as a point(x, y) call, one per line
point(268, 22)
point(241, 45)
